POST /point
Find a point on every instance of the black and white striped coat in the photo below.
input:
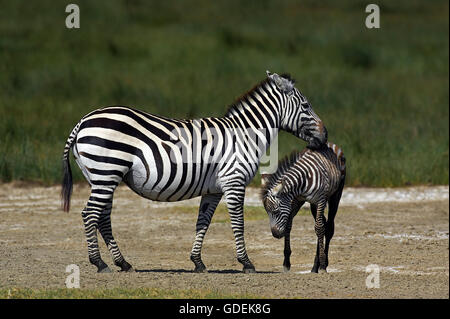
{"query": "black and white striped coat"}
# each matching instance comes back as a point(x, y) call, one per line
point(167, 159)
point(314, 176)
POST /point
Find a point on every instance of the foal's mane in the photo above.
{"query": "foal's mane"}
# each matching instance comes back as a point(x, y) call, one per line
point(283, 165)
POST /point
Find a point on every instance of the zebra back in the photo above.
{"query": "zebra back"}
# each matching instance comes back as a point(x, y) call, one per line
point(340, 156)
point(275, 180)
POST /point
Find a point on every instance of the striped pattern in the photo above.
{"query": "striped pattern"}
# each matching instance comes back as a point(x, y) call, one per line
point(165, 159)
point(314, 176)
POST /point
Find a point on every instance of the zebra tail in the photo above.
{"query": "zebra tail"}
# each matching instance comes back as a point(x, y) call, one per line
point(67, 184)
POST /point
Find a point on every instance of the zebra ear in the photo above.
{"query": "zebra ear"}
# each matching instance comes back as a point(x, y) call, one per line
point(264, 179)
point(285, 85)
point(277, 189)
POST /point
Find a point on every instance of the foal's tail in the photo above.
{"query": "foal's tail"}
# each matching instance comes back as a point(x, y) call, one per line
point(66, 191)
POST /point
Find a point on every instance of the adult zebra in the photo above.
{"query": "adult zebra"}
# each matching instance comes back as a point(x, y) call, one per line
point(165, 159)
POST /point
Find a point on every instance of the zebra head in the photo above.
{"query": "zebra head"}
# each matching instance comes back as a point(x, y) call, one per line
point(278, 205)
point(296, 114)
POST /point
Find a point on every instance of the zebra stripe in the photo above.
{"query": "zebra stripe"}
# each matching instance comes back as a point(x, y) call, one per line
point(167, 159)
point(314, 176)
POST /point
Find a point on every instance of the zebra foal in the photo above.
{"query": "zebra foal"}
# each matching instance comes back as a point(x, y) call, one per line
point(314, 176)
point(167, 160)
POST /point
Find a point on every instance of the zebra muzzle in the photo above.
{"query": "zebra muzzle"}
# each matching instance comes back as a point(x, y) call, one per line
point(276, 232)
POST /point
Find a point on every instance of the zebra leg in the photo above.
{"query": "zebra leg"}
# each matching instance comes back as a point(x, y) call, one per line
point(98, 202)
point(296, 205)
point(315, 267)
point(319, 227)
point(287, 246)
point(207, 208)
point(329, 232)
point(333, 204)
point(234, 197)
point(106, 232)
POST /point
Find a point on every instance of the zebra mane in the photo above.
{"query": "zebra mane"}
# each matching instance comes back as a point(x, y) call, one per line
point(233, 108)
point(283, 165)
point(288, 77)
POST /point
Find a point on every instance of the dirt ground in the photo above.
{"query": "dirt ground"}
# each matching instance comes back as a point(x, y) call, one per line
point(408, 240)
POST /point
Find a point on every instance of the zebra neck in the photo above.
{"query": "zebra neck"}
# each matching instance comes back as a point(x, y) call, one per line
point(259, 108)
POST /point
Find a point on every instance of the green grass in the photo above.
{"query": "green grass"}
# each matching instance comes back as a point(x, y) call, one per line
point(117, 293)
point(383, 94)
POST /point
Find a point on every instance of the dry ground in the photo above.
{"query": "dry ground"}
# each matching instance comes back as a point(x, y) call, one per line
point(408, 240)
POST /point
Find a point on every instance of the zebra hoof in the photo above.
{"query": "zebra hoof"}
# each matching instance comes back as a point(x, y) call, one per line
point(249, 270)
point(104, 270)
point(286, 268)
point(200, 270)
point(248, 266)
point(322, 271)
point(126, 267)
point(199, 265)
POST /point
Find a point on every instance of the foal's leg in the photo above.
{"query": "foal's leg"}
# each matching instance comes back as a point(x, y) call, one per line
point(207, 208)
point(315, 267)
point(296, 205)
point(319, 227)
point(287, 246)
point(333, 205)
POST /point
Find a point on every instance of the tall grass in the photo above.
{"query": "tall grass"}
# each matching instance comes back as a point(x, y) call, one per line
point(383, 94)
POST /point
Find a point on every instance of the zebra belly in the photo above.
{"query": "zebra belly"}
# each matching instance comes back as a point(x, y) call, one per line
point(171, 193)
